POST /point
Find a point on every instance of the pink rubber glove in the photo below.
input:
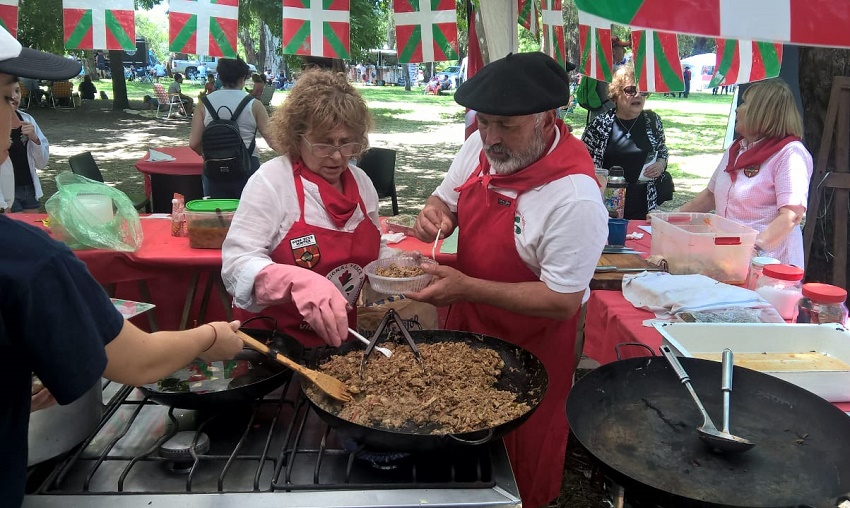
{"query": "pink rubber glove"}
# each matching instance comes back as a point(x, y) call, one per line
point(319, 302)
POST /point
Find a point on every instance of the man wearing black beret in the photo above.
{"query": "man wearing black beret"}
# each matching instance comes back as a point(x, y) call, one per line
point(523, 193)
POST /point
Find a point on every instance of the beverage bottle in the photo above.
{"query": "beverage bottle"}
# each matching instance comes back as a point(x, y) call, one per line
point(615, 192)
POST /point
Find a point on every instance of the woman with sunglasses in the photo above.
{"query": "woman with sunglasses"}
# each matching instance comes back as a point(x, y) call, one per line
point(307, 221)
point(762, 180)
point(633, 138)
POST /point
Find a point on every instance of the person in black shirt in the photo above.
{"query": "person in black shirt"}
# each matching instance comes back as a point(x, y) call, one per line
point(87, 89)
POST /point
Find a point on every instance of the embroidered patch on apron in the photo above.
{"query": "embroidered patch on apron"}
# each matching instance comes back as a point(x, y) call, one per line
point(504, 202)
point(305, 250)
point(752, 171)
point(349, 279)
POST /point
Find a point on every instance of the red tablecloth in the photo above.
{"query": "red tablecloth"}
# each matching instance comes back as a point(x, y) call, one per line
point(186, 162)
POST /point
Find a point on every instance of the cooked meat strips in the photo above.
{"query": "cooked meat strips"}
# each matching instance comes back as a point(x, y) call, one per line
point(402, 272)
point(454, 393)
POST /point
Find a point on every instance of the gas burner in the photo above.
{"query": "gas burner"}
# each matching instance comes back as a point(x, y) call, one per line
point(383, 460)
point(177, 450)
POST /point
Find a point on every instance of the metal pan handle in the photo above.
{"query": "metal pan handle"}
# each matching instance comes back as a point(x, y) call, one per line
point(485, 439)
point(618, 347)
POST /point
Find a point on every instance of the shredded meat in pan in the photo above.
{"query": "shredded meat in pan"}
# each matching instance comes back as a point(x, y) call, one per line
point(454, 394)
point(403, 272)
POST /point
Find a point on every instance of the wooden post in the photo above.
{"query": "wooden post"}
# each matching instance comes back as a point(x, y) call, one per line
point(837, 123)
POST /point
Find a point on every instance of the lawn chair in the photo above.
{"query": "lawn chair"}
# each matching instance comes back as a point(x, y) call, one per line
point(83, 164)
point(26, 96)
point(266, 97)
point(379, 165)
point(62, 92)
point(144, 76)
point(172, 102)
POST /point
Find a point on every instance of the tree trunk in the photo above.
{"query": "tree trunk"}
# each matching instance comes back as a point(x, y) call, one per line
point(273, 60)
point(249, 44)
point(817, 68)
point(119, 85)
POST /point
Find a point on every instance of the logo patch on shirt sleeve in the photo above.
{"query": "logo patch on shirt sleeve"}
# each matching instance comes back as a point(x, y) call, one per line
point(305, 251)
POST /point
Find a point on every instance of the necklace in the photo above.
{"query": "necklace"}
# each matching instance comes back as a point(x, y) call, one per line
point(629, 128)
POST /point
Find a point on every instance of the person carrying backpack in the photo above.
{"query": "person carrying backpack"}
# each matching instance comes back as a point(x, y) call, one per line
point(223, 133)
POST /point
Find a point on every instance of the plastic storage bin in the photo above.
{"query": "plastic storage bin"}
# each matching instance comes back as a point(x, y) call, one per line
point(208, 221)
point(703, 243)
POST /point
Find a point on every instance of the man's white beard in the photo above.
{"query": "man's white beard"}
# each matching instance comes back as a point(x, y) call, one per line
point(519, 160)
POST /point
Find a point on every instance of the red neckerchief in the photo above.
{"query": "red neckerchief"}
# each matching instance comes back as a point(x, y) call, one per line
point(754, 156)
point(561, 162)
point(340, 206)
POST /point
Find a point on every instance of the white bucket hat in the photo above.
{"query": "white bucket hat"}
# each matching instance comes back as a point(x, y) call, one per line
point(31, 63)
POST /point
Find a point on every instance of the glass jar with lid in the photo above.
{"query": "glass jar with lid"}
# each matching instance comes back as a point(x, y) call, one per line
point(822, 303)
point(782, 286)
point(757, 265)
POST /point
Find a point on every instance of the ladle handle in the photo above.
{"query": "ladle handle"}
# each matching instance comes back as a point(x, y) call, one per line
point(684, 378)
point(726, 385)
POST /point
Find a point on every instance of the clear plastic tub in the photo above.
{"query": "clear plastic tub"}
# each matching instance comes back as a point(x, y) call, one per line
point(703, 243)
point(207, 230)
point(398, 285)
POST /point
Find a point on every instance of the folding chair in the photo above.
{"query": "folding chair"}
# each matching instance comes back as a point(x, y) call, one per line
point(83, 164)
point(266, 98)
point(26, 96)
point(62, 91)
point(144, 76)
point(379, 164)
point(171, 102)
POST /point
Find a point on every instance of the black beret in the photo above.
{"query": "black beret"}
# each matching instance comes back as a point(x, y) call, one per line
point(519, 84)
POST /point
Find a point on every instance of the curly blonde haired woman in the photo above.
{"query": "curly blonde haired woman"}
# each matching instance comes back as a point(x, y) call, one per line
point(307, 222)
point(763, 179)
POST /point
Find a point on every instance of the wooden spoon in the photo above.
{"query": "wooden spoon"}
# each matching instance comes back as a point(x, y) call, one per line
point(328, 384)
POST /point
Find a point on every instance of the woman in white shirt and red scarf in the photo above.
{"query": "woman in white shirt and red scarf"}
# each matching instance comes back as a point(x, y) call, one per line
point(307, 221)
point(763, 179)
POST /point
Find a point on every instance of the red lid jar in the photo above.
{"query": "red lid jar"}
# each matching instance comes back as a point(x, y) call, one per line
point(822, 303)
point(783, 272)
point(824, 293)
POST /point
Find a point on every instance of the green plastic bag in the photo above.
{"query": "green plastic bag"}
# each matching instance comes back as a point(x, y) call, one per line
point(87, 214)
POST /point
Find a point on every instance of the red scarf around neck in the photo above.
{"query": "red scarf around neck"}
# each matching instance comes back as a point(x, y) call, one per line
point(560, 162)
point(755, 155)
point(339, 205)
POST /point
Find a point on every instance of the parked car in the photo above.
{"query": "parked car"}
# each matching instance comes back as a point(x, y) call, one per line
point(189, 68)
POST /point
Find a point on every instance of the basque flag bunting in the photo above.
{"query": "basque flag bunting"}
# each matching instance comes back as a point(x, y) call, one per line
point(99, 24)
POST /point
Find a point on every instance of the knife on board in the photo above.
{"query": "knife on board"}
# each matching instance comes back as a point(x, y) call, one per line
point(614, 269)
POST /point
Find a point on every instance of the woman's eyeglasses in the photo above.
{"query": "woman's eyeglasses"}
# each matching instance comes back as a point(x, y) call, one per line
point(323, 150)
point(632, 91)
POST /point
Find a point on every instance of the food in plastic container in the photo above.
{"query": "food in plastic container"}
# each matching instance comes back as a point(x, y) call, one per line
point(398, 285)
point(400, 224)
point(208, 221)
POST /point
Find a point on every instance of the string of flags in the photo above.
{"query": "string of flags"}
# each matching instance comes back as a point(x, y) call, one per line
point(426, 30)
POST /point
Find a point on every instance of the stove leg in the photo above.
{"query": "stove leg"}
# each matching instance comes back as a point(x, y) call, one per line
point(618, 494)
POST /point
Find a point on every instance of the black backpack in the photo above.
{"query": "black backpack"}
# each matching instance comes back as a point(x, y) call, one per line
point(226, 158)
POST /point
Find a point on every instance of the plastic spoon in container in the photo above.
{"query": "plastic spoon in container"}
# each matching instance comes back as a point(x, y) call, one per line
point(720, 441)
point(384, 351)
point(434, 248)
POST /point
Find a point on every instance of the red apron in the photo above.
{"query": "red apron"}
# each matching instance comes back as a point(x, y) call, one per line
point(487, 250)
point(338, 255)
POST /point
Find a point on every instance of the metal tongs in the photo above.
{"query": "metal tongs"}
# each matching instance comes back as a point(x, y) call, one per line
point(385, 325)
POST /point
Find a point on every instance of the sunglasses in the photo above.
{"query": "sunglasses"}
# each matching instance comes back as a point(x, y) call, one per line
point(632, 90)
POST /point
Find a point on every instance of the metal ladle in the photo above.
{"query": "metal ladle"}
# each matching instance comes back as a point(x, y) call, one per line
point(720, 441)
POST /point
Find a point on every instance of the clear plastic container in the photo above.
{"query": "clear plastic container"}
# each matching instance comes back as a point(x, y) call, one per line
point(822, 303)
point(703, 243)
point(782, 287)
point(757, 265)
point(398, 285)
point(208, 221)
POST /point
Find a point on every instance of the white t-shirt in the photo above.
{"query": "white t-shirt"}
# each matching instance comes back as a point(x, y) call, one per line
point(267, 210)
point(563, 224)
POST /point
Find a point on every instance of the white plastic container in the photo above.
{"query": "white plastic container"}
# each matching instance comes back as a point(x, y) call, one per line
point(398, 285)
point(813, 357)
point(703, 243)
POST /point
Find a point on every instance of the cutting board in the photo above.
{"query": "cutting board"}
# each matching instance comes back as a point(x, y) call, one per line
point(614, 280)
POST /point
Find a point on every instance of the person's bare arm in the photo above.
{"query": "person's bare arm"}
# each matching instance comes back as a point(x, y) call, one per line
point(789, 217)
point(703, 202)
point(136, 357)
point(435, 215)
point(527, 298)
point(197, 131)
point(264, 126)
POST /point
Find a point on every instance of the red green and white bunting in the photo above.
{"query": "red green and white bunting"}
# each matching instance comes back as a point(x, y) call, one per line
point(596, 57)
point(745, 61)
point(553, 30)
point(317, 28)
point(656, 60)
point(804, 22)
point(203, 27)
point(9, 16)
point(426, 30)
point(99, 24)
point(527, 15)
